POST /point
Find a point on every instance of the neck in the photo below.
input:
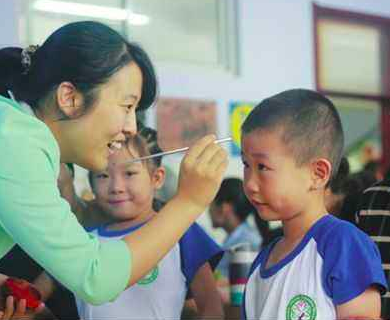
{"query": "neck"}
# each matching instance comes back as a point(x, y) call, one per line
point(125, 224)
point(230, 227)
point(58, 128)
point(295, 228)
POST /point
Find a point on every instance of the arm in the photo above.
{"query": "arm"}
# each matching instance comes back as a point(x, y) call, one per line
point(45, 284)
point(87, 213)
point(355, 288)
point(365, 306)
point(201, 173)
point(33, 213)
point(205, 293)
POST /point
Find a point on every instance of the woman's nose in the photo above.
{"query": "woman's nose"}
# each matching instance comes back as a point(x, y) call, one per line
point(130, 125)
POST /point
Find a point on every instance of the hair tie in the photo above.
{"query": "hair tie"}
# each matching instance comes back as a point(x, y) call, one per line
point(26, 55)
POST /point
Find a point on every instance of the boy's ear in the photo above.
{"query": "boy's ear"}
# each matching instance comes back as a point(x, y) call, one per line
point(158, 177)
point(69, 100)
point(321, 172)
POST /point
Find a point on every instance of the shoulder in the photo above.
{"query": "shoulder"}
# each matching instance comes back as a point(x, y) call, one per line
point(197, 248)
point(27, 142)
point(195, 233)
point(334, 234)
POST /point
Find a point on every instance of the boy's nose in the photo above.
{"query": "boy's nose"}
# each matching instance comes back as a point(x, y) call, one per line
point(251, 184)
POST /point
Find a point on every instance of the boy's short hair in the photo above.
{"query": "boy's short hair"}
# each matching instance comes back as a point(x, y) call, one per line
point(232, 192)
point(311, 126)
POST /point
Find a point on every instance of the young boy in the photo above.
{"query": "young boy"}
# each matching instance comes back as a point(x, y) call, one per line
point(125, 193)
point(322, 268)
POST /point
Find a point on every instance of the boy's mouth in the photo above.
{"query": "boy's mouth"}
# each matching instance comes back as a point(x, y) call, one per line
point(258, 203)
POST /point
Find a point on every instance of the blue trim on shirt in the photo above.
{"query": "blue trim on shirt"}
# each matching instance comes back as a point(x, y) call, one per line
point(266, 273)
point(197, 248)
point(104, 232)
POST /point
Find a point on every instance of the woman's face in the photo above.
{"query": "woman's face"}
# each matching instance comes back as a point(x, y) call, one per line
point(105, 125)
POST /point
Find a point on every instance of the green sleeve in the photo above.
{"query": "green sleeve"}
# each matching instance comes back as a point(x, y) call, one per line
point(34, 215)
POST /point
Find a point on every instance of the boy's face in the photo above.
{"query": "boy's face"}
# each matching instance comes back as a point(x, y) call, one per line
point(125, 192)
point(273, 183)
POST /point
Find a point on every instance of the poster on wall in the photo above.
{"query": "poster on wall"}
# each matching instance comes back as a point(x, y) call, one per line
point(238, 112)
point(180, 122)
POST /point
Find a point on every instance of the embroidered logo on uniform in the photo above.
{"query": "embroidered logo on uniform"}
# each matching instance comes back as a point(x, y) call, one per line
point(150, 277)
point(301, 307)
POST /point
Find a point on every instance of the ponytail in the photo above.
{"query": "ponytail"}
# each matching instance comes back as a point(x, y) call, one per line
point(11, 70)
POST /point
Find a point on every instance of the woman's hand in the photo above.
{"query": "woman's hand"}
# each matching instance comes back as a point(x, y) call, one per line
point(201, 172)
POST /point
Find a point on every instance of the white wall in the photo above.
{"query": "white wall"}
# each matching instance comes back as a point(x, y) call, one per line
point(276, 53)
point(9, 22)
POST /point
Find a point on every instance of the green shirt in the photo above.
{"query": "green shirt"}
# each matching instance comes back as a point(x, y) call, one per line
point(33, 214)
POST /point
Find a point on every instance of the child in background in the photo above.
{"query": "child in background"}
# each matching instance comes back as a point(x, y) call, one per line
point(322, 267)
point(229, 210)
point(336, 191)
point(125, 193)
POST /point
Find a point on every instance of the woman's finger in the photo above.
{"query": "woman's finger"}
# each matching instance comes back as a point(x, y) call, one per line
point(197, 148)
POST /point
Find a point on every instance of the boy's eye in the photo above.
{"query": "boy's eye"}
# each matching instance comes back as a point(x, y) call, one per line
point(262, 167)
point(130, 173)
point(245, 164)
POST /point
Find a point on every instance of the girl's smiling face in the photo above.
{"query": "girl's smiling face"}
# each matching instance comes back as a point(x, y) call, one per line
point(126, 191)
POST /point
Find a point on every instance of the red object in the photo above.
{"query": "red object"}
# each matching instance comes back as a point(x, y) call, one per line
point(22, 289)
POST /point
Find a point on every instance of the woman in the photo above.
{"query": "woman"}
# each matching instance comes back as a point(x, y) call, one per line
point(75, 100)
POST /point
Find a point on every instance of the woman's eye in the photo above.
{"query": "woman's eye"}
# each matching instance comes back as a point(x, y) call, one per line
point(130, 173)
point(129, 107)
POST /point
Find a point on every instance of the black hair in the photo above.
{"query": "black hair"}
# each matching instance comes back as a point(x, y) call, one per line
point(311, 126)
point(232, 192)
point(337, 183)
point(150, 136)
point(71, 168)
point(84, 53)
point(372, 166)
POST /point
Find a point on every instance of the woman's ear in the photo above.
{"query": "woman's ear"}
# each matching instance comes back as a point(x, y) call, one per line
point(321, 173)
point(158, 177)
point(69, 100)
